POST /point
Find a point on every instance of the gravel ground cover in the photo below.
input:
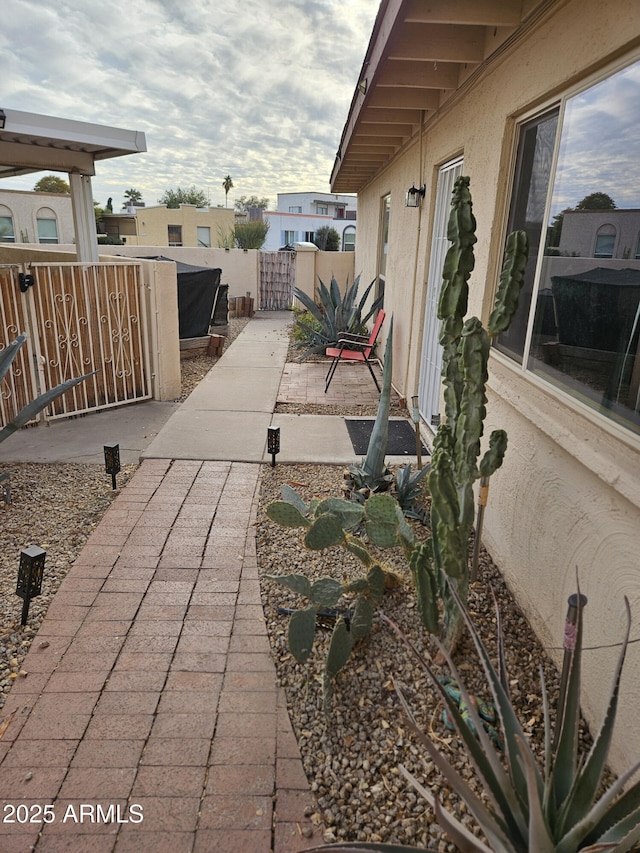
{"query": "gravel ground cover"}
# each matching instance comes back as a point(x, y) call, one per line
point(351, 756)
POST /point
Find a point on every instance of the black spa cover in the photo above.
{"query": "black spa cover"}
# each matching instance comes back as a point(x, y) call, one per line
point(197, 294)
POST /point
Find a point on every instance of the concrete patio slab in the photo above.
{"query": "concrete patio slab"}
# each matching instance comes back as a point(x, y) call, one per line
point(211, 435)
point(255, 353)
point(313, 438)
point(239, 389)
point(81, 439)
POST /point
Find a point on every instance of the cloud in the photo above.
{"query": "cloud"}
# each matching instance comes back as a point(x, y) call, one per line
point(258, 90)
point(598, 152)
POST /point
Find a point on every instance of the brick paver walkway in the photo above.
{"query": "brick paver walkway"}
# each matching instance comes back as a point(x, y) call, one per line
point(351, 384)
point(150, 720)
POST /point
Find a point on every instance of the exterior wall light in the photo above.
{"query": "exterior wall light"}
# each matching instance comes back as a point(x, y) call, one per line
point(112, 461)
point(414, 196)
point(273, 443)
point(30, 572)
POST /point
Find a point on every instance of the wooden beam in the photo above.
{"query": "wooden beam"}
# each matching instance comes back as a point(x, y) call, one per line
point(385, 130)
point(385, 115)
point(405, 99)
point(490, 13)
point(439, 43)
point(419, 75)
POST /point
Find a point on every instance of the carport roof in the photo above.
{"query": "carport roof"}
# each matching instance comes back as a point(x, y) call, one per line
point(32, 143)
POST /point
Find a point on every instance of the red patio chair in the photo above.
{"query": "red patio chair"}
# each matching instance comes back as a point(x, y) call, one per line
point(353, 348)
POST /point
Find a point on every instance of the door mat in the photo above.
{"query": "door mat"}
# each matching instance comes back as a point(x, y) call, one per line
point(401, 439)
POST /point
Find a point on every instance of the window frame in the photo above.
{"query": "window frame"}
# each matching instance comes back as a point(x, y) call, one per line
point(199, 242)
point(624, 429)
point(51, 240)
point(349, 245)
point(8, 238)
point(177, 230)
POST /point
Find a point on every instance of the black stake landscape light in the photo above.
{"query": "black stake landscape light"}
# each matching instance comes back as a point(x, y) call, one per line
point(273, 443)
point(112, 461)
point(30, 573)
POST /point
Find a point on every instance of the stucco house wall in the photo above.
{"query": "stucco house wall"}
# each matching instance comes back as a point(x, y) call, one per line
point(149, 226)
point(300, 225)
point(580, 229)
point(568, 495)
point(25, 208)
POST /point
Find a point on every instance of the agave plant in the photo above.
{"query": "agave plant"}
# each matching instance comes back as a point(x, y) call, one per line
point(560, 808)
point(33, 408)
point(335, 314)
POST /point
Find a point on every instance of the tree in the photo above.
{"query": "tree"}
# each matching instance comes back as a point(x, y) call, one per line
point(52, 184)
point(327, 239)
point(243, 203)
point(131, 196)
point(596, 201)
point(228, 185)
point(173, 198)
point(555, 229)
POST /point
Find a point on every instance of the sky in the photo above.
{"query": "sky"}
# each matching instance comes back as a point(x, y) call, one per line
point(256, 89)
point(599, 148)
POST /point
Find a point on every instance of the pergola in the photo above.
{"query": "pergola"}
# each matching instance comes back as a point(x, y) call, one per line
point(33, 143)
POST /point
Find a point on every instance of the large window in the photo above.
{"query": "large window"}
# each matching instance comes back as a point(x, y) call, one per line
point(577, 195)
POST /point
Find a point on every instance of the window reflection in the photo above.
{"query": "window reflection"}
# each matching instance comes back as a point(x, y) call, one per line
point(586, 324)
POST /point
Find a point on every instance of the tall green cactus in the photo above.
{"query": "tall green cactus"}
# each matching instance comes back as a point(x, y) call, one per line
point(441, 563)
point(456, 446)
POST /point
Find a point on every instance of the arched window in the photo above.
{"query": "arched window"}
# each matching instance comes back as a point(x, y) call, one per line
point(349, 239)
point(605, 242)
point(47, 226)
point(7, 234)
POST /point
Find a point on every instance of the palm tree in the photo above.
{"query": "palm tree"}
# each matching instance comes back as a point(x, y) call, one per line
point(227, 184)
point(131, 196)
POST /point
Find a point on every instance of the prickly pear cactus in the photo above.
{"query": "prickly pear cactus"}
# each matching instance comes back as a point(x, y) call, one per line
point(329, 523)
point(456, 447)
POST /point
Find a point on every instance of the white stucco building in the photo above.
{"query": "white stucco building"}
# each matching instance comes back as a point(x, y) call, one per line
point(300, 215)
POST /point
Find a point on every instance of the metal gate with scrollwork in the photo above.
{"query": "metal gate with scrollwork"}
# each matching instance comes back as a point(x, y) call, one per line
point(79, 319)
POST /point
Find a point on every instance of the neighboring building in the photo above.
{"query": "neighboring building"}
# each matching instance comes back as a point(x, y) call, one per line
point(601, 234)
point(537, 102)
point(300, 215)
point(159, 225)
point(30, 217)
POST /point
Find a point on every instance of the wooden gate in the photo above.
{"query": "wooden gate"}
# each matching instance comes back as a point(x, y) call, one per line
point(79, 318)
point(277, 280)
